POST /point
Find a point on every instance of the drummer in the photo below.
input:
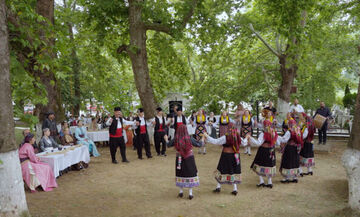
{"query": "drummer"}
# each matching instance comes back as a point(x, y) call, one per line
point(325, 112)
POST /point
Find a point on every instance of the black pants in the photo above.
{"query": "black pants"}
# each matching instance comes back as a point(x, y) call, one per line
point(322, 135)
point(159, 138)
point(142, 140)
point(114, 143)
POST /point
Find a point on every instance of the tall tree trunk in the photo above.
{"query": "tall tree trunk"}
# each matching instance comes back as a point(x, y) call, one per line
point(12, 195)
point(354, 141)
point(138, 55)
point(47, 77)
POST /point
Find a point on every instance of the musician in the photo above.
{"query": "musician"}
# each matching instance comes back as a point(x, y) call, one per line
point(323, 111)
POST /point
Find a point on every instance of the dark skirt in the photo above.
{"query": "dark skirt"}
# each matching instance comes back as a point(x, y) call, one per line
point(290, 162)
point(307, 155)
point(199, 131)
point(186, 173)
point(213, 133)
point(228, 170)
point(264, 162)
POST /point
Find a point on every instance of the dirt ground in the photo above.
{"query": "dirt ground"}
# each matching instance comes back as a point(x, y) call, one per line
point(147, 188)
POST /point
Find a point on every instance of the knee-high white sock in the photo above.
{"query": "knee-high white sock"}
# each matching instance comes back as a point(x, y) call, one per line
point(261, 179)
point(269, 181)
point(309, 169)
point(235, 187)
point(181, 190)
point(249, 150)
point(190, 191)
point(300, 170)
point(218, 185)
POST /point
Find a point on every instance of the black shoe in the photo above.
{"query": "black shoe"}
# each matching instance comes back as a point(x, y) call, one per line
point(191, 197)
point(180, 194)
point(217, 190)
point(269, 185)
point(260, 185)
point(302, 174)
point(308, 173)
point(164, 155)
point(234, 193)
point(140, 158)
point(249, 154)
point(158, 154)
point(149, 156)
point(204, 153)
point(284, 181)
point(294, 181)
point(126, 161)
point(114, 161)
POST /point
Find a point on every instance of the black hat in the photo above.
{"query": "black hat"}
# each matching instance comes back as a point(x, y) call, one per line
point(179, 109)
point(141, 110)
point(117, 109)
point(159, 109)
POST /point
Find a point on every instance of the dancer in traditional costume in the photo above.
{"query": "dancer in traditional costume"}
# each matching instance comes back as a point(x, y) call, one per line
point(307, 152)
point(159, 124)
point(238, 115)
point(290, 160)
point(264, 164)
point(223, 123)
point(185, 167)
point(200, 128)
point(117, 134)
point(212, 121)
point(229, 167)
point(178, 119)
point(34, 172)
point(142, 136)
point(247, 124)
point(285, 126)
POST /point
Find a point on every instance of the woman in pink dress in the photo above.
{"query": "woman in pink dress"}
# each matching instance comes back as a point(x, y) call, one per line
point(34, 172)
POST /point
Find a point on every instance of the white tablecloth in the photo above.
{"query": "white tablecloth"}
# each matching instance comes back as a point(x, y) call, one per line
point(61, 161)
point(98, 136)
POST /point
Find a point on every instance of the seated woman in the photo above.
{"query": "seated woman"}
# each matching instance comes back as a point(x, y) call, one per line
point(64, 125)
point(34, 172)
point(47, 141)
point(67, 139)
point(81, 136)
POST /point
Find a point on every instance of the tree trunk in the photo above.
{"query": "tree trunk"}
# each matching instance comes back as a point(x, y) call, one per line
point(138, 55)
point(351, 158)
point(287, 79)
point(47, 77)
point(12, 195)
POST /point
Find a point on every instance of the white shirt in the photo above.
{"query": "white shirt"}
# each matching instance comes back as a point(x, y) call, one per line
point(222, 140)
point(119, 125)
point(298, 108)
point(261, 140)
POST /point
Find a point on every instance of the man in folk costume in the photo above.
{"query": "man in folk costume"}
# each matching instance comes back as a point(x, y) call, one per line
point(117, 133)
point(159, 124)
point(223, 123)
point(200, 129)
point(307, 152)
point(290, 160)
point(185, 167)
point(264, 164)
point(229, 167)
point(179, 119)
point(142, 136)
point(247, 124)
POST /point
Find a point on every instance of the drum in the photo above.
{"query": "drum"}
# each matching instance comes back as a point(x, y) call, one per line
point(319, 121)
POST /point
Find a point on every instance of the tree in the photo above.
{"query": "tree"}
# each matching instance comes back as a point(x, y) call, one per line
point(133, 20)
point(12, 195)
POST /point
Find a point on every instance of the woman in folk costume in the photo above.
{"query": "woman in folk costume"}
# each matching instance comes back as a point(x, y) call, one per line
point(185, 167)
point(264, 164)
point(212, 121)
point(290, 160)
point(34, 172)
point(238, 115)
point(285, 126)
point(307, 152)
point(82, 138)
point(229, 167)
point(223, 123)
point(200, 128)
point(247, 124)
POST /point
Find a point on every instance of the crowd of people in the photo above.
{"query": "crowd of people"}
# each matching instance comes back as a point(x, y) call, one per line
point(197, 130)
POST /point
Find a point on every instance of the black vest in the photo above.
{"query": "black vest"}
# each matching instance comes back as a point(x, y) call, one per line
point(137, 130)
point(113, 126)
point(175, 121)
point(157, 123)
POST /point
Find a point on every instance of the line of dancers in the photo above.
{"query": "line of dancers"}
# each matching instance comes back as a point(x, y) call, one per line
point(295, 145)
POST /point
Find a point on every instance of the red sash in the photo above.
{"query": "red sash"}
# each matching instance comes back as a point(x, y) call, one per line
point(178, 124)
point(118, 133)
point(161, 129)
point(142, 129)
